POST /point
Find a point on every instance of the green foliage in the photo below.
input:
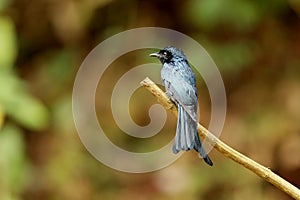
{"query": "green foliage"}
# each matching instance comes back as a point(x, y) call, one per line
point(233, 56)
point(13, 165)
point(209, 14)
point(15, 99)
point(19, 104)
point(241, 15)
point(4, 4)
point(8, 50)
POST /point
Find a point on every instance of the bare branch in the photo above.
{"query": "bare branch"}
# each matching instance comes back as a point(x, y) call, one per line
point(226, 150)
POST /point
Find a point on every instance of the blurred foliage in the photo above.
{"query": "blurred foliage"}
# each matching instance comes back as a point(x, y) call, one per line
point(254, 43)
point(8, 51)
point(240, 15)
point(13, 163)
point(19, 105)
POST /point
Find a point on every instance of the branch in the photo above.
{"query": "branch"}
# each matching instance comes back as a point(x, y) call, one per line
point(226, 150)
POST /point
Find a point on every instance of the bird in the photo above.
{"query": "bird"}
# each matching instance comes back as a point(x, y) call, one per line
point(180, 83)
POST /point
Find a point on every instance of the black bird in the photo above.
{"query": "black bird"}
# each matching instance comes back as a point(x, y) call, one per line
point(180, 83)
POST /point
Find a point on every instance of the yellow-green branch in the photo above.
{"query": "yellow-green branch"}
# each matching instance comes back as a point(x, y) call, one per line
point(226, 150)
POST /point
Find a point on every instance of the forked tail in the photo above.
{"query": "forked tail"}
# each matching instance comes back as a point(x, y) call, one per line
point(187, 137)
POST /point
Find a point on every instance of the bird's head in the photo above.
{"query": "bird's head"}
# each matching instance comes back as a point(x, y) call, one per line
point(169, 54)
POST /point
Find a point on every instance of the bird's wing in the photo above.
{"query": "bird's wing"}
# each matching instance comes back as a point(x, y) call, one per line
point(181, 87)
point(185, 95)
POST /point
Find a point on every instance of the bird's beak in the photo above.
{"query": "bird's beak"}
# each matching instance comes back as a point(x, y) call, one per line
point(155, 55)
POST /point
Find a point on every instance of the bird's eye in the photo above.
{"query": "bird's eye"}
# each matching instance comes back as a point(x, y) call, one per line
point(166, 55)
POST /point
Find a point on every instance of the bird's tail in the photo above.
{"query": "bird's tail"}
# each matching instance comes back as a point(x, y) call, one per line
point(187, 135)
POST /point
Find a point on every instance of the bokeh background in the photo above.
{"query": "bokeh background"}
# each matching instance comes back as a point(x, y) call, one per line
point(255, 44)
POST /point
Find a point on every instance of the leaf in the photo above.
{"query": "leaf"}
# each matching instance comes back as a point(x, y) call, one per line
point(19, 104)
point(12, 160)
point(8, 50)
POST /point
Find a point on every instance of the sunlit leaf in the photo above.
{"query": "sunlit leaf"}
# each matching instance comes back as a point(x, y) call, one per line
point(19, 104)
point(8, 50)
